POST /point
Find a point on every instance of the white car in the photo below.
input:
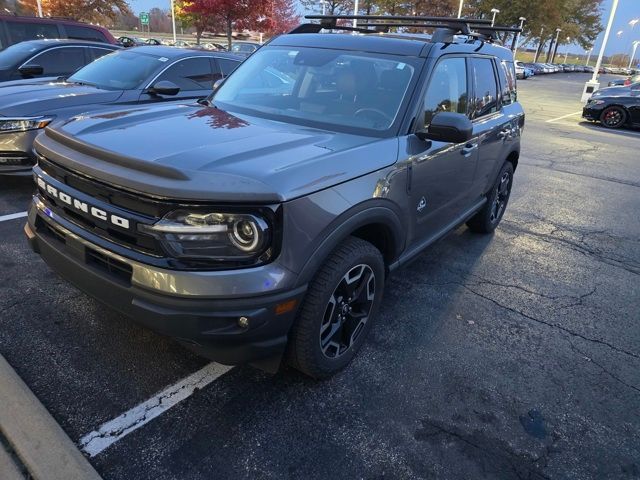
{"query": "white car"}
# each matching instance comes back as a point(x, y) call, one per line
point(519, 70)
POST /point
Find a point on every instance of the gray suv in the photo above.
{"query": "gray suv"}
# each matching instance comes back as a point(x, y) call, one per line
point(262, 223)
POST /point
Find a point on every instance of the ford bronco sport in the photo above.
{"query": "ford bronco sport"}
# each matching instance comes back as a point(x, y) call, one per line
point(261, 223)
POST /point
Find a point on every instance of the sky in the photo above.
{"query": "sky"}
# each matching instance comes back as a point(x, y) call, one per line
point(627, 10)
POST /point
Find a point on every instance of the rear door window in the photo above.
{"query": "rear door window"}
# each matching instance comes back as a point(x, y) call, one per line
point(447, 91)
point(485, 87)
point(190, 74)
point(84, 33)
point(21, 31)
point(60, 60)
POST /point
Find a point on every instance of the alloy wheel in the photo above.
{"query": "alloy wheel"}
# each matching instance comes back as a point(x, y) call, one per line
point(347, 311)
point(503, 190)
point(613, 118)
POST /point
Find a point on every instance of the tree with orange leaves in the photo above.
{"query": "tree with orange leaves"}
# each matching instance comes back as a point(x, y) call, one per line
point(96, 11)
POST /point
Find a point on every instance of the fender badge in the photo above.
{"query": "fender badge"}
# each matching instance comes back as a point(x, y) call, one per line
point(422, 204)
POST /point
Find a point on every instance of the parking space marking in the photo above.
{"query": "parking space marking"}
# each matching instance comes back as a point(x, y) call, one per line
point(12, 216)
point(110, 432)
point(564, 116)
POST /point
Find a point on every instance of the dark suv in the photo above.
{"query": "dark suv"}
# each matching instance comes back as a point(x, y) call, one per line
point(15, 29)
point(264, 221)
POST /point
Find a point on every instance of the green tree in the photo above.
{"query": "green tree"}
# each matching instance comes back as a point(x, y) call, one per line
point(578, 19)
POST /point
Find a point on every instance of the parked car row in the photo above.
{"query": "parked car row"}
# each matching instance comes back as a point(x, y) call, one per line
point(625, 82)
point(545, 68)
point(239, 48)
point(73, 85)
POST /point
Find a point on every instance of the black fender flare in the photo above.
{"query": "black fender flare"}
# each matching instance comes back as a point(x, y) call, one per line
point(374, 211)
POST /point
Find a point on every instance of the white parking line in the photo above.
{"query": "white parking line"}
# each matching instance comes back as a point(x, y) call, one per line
point(564, 116)
point(12, 216)
point(110, 432)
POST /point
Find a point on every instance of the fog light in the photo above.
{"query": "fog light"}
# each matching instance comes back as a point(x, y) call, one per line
point(243, 322)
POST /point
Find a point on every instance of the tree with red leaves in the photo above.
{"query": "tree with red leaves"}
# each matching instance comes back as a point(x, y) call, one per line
point(270, 16)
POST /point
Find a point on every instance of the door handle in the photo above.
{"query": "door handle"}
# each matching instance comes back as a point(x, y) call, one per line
point(468, 149)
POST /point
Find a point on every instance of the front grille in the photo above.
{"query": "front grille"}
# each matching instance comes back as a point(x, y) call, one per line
point(115, 268)
point(50, 231)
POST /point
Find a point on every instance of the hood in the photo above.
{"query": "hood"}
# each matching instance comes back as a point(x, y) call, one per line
point(193, 152)
point(32, 97)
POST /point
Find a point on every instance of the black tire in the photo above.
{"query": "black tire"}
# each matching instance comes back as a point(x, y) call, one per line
point(312, 343)
point(489, 216)
point(613, 117)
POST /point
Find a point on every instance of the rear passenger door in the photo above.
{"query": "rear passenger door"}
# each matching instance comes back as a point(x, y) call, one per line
point(490, 125)
point(194, 76)
point(442, 173)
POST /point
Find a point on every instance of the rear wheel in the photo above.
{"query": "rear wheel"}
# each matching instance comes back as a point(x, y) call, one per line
point(488, 218)
point(338, 310)
point(613, 117)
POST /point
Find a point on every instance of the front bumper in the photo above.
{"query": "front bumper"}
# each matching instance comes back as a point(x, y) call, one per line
point(591, 113)
point(207, 324)
point(16, 152)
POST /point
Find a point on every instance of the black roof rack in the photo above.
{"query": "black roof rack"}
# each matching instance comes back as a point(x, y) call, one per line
point(473, 27)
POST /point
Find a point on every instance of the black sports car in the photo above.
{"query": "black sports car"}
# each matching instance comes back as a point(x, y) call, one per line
point(615, 107)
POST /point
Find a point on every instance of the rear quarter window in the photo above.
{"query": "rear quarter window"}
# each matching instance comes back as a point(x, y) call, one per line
point(21, 31)
point(507, 76)
point(78, 32)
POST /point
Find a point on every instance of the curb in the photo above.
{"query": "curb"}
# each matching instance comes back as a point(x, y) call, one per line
point(40, 443)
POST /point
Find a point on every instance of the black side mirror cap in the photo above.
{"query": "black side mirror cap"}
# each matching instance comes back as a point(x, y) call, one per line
point(31, 70)
point(448, 127)
point(163, 87)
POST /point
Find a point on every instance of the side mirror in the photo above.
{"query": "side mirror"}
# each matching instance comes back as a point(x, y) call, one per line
point(217, 83)
point(448, 127)
point(163, 87)
point(31, 70)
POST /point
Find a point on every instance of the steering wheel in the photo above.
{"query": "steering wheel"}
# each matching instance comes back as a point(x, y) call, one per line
point(363, 111)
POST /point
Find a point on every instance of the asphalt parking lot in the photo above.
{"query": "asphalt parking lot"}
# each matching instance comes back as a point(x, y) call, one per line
point(513, 356)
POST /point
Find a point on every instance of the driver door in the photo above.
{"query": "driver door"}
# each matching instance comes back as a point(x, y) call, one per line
point(442, 173)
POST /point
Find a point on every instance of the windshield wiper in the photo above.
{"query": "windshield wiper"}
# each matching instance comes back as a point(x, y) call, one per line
point(88, 84)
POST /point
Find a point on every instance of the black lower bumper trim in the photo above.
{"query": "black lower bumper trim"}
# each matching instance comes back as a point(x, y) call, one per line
point(207, 326)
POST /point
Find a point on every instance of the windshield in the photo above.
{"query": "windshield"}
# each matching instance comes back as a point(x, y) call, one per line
point(327, 88)
point(122, 70)
point(16, 54)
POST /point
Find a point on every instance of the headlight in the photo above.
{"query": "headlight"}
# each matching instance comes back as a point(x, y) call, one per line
point(217, 236)
point(596, 102)
point(23, 124)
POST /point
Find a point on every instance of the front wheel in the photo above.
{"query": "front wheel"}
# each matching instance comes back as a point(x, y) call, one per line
point(338, 310)
point(489, 216)
point(613, 117)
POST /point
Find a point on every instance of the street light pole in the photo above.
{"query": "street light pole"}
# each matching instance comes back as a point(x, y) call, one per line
point(635, 47)
point(535, 59)
point(553, 48)
point(516, 37)
point(566, 53)
point(173, 21)
point(614, 7)
point(494, 11)
point(39, 3)
point(589, 55)
point(593, 84)
point(460, 9)
point(355, 12)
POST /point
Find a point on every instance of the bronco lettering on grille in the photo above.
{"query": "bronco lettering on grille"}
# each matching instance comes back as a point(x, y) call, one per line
point(83, 207)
